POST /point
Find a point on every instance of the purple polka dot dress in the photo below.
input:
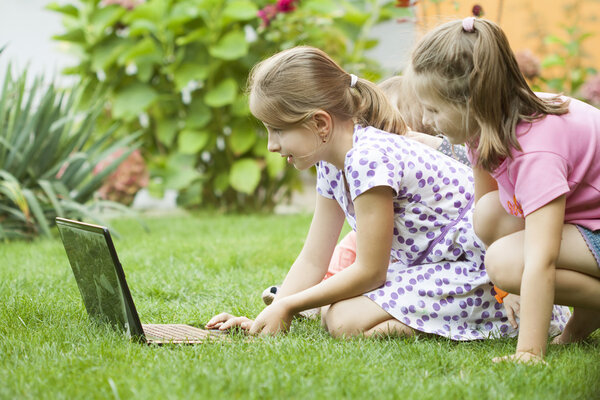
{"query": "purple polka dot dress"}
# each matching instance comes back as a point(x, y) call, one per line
point(436, 281)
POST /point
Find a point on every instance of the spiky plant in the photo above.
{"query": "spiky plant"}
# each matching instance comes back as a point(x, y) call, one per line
point(48, 151)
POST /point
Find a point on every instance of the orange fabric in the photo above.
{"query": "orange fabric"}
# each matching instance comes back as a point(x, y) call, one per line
point(500, 294)
point(343, 256)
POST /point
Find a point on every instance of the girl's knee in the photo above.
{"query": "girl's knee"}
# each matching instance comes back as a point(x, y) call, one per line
point(503, 269)
point(339, 323)
point(491, 221)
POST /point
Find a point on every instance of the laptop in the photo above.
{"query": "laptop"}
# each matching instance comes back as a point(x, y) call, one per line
point(101, 281)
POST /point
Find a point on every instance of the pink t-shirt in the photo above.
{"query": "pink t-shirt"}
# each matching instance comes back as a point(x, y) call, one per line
point(560, 155)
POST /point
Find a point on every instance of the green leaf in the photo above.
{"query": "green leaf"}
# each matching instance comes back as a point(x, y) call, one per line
point(245, 175)
point(37, 212)
point(552, 61)
point(74, 36)
point(181, 14)
point(141, 48)
point(198, 115)
point(275, 164)
point(193, 36)
point(107, 52)
point(240, 10)
point(221, 182)
point(231, 46)
point(106, 17)
point(132, 100)
point(223, 94)
point(154, 11)
point(188, 72)
point(191, 142)
point(321, 7)
point(241, 139)
point(240, 107)
point(166, 129)
point(180, 171)
point(141, 27)
point(260, 148)
point(66, 9)
point(553, 39)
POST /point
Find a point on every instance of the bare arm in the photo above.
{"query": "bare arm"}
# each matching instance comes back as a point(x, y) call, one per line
point(484, 182)
point(543, 234)
point(375, 219)
point(310, 265)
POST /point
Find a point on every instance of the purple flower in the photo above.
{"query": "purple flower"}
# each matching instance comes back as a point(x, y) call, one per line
point(477, 11)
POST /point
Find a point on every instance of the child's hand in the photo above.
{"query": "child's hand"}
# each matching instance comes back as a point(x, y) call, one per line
point(432, 141)
point(522, 357)
point(226, 321)
point(272, 320)
point(512, 304)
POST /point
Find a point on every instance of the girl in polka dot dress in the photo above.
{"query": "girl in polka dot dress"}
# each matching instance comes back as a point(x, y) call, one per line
point(419, 266)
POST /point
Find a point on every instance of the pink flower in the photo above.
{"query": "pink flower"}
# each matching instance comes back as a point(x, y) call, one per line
point(286, 6)
point(477, 10)
point(129, 177)
point(529, 64)
point(128, 4)
point(405, 3)
point(267, 14)
point(590, 90)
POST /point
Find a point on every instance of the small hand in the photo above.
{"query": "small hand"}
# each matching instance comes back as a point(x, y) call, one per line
point(226, 321)
point(522, 357)
point(272, 320)
point(512, 304)
point(429, 140)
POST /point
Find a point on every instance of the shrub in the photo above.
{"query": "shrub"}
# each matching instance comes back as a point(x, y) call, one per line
point(47, 157)
point(177, 70)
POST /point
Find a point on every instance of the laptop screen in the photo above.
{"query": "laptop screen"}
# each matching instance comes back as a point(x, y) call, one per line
point(97, 272)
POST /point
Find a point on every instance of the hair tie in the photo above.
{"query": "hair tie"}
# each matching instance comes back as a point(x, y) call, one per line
point(353, 80)
point(468, 24)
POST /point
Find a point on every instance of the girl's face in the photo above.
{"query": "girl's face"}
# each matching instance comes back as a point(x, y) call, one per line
point(300, 145)
point(446, 118)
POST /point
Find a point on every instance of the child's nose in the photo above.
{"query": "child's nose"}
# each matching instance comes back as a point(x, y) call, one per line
point(426, 120)
point(272, 144)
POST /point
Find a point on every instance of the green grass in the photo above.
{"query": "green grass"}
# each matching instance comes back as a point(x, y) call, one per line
point(186, 269)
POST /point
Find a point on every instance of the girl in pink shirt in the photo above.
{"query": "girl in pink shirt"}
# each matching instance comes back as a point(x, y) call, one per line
point(537, 175)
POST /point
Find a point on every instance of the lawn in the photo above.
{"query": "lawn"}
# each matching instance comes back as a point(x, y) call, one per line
point(185, 269)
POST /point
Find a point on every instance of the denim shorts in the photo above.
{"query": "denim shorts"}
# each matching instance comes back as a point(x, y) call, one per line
point(592, 238)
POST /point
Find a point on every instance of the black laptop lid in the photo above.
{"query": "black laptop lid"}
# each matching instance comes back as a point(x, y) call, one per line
point(99, 275)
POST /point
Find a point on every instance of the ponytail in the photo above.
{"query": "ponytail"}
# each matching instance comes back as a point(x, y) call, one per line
point(374, 109)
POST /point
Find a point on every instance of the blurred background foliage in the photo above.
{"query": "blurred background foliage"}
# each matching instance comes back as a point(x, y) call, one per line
point(53, 159)
point(176, 69)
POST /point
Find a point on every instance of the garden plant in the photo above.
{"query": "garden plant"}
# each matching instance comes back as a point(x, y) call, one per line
point(49, 150)
point(176, 69)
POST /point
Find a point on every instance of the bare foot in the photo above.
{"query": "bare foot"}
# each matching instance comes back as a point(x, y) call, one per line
point(522, 357)
point(583, 322)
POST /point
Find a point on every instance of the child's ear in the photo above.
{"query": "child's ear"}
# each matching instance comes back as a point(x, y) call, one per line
point(323, 124)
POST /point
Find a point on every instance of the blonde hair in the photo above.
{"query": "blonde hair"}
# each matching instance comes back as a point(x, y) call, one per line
point(478, 70)
point(403, 97)
point(286, 89)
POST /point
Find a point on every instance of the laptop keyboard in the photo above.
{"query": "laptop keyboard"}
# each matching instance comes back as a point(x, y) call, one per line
point(178, 333)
